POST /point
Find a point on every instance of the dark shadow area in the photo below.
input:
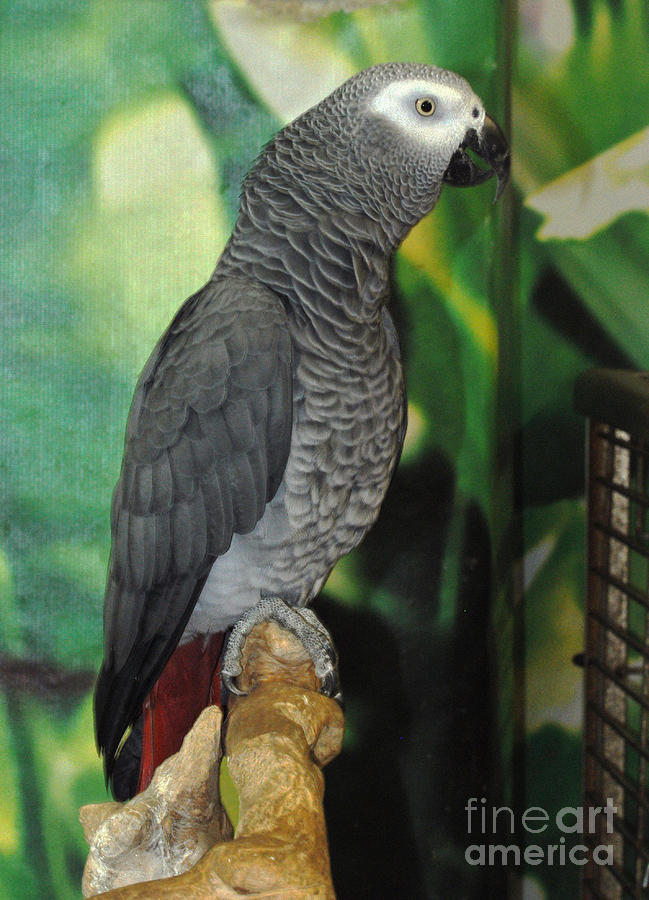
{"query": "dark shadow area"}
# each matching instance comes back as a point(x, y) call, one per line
point(552, 443)
point(404, 551)
point(371, 839)
point(465, 714)
point(567, 314)
point(420, 711)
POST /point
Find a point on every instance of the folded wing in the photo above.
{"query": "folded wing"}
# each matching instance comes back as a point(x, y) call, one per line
point(207, 441)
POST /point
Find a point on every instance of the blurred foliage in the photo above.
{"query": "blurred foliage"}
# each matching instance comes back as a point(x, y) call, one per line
point(584, 304)
point(126, 130)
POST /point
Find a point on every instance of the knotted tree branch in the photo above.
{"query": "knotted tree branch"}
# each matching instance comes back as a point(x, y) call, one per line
point(278, 738)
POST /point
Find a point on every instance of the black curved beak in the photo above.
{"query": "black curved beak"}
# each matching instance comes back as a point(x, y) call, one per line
point(490, 146)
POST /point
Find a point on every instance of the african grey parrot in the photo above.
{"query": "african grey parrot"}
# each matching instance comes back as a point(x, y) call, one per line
point(268, 421)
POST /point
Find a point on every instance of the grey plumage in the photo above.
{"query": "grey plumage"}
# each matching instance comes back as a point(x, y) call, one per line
point(268, 421)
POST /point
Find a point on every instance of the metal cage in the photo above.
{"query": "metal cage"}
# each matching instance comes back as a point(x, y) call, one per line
point(616, 751)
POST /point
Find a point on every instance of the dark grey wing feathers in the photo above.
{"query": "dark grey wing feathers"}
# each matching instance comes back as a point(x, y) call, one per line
point(206, 445)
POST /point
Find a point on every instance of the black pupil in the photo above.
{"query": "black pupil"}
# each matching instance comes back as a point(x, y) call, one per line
point(426, 106)
point(476, 112)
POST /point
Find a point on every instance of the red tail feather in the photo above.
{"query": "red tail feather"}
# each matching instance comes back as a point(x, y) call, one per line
point(189, 682)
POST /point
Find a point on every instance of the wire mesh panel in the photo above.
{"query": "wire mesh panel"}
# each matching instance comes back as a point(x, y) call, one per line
point(616, 753)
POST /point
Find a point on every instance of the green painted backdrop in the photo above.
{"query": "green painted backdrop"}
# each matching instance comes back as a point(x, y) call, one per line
point(125, 129)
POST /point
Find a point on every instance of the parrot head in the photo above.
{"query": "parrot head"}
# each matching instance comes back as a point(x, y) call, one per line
point(386, 141)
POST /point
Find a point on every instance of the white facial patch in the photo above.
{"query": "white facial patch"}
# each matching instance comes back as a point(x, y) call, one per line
point(455, 108)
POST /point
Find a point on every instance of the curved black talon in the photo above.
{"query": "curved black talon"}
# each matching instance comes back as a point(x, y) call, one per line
point(228, 683)
point(330, 688)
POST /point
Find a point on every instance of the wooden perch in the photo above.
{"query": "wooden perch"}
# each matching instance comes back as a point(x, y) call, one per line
point(278, 738)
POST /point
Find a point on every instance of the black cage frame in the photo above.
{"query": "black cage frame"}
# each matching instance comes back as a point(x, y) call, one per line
point(616, 659)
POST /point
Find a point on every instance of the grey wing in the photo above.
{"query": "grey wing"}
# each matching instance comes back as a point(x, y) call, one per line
point(207, 441)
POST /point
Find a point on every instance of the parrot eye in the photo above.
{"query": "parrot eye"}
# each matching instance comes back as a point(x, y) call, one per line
point(476, 112)
point(425, 106)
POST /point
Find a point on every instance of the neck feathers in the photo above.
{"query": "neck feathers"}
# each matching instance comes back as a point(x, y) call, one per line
point(315, 248)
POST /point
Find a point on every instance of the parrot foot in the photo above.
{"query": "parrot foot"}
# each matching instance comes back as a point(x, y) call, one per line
point(303, 624)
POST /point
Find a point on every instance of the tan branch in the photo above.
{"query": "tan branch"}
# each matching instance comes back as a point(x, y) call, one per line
point(278, 738)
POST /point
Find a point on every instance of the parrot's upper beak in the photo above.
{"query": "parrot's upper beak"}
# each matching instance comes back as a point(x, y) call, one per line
point(490, 145)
